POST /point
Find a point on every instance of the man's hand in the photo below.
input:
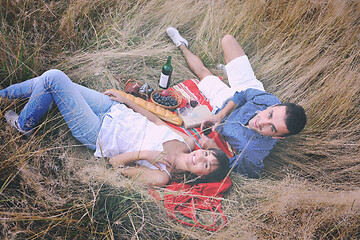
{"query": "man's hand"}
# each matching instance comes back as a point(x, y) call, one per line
point(215, 119)
point(207, 142)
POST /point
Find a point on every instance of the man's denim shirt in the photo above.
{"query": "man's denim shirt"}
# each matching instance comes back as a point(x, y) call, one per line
point(251, 147)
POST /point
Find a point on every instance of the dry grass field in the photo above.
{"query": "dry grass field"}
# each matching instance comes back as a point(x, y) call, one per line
point(304, 51)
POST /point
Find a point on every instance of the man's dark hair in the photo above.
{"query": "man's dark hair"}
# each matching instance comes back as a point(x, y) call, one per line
point(295, 119)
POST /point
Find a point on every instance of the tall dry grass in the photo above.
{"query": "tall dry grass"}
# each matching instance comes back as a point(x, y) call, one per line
point(303, 51)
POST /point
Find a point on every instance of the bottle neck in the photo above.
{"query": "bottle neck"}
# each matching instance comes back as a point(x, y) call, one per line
point(168, 60)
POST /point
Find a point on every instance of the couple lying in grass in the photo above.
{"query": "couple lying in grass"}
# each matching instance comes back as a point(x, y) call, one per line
point(250, 119)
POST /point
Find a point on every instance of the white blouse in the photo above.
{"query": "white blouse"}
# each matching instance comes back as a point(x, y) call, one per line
point(124, 130)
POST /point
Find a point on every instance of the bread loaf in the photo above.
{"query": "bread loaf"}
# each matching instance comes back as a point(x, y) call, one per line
point(161, 112)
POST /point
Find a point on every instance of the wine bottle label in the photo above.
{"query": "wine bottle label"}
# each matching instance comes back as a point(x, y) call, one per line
point(163, 83)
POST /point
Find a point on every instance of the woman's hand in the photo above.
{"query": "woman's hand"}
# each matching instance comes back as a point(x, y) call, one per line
point(115, 96)
point(207, 142)
point(156, 157)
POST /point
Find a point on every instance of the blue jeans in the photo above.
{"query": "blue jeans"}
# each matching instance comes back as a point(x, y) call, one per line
point(81, 107)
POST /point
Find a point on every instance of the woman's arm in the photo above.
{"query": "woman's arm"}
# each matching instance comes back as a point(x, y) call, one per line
point(115, 96)
point(130, 157)
point(149, 177)
point(152, 117)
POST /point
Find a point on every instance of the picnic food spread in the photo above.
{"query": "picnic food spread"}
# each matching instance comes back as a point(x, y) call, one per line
point(161, 112)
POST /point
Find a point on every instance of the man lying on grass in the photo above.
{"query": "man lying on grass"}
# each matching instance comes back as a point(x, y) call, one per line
point(116, 128)
point(250, 119)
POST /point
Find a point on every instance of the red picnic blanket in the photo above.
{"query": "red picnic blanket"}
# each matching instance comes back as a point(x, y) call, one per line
point(185, 199)
point(188, 90)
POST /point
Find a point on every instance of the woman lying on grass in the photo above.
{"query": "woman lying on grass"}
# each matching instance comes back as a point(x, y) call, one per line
point(116, 128)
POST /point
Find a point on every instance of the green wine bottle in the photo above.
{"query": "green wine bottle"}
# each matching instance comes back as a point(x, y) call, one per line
point(165, 76)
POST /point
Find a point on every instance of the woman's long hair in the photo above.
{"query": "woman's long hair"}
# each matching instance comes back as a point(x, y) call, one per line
point(223, 167)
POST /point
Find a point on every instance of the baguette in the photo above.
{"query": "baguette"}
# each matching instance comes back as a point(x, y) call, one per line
point(161, 112)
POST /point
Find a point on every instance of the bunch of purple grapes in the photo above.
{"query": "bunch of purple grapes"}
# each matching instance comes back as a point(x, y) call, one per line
point(168, 101)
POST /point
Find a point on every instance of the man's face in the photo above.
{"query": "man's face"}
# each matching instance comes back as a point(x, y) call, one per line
point(270, 122)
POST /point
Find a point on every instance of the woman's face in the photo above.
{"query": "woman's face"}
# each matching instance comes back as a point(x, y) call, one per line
point(201, 162)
